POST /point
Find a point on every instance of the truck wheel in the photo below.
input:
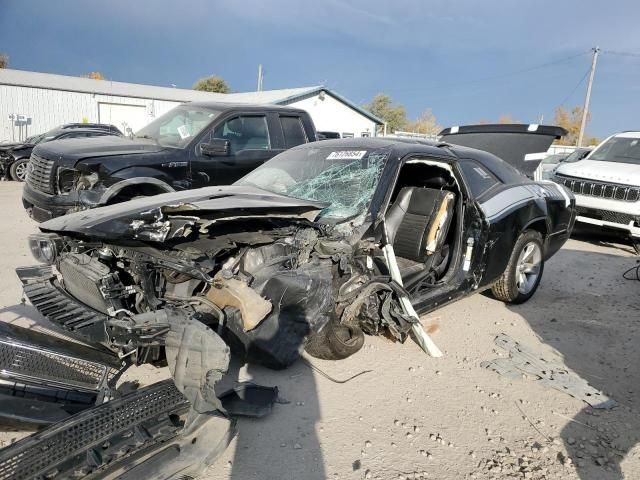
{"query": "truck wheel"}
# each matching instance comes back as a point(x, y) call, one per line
point(18, 169)
point(522, 276)
point(335, 342)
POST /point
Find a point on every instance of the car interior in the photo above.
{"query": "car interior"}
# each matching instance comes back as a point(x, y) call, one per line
point(422, 209)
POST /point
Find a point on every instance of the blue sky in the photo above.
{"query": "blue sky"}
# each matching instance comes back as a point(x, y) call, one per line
point(467, 60)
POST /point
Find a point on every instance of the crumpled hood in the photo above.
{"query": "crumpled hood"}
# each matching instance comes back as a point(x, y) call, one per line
point(167, 215)
point(70, 151)
point(613, 172)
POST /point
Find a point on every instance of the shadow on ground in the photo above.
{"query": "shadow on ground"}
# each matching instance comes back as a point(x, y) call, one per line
point(599, 340)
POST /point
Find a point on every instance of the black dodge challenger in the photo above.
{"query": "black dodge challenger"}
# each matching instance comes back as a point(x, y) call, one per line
point(320, 245)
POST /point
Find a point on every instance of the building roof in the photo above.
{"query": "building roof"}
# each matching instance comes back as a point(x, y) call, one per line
point(50, 81)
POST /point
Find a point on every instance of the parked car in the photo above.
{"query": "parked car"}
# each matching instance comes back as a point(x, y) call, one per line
point(14, 157)
point(578, 154)
point(191, 146)
point(316, 247)
point(607, 184)
point(550, 163)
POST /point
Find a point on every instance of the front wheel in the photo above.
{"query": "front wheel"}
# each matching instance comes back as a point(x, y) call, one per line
point(522, 276)
point(18, 169)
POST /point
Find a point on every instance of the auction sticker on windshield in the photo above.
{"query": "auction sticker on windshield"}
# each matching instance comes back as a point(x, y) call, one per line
point(347, 155)
point(183, 131)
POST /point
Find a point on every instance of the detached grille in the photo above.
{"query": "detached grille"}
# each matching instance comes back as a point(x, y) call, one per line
point(25, 362)
point(606, 215)
point(40, 174)
point(97, 438)
point(591, 188)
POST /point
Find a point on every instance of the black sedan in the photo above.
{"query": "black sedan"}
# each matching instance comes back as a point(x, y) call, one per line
point(14, 157)
point(320, 245)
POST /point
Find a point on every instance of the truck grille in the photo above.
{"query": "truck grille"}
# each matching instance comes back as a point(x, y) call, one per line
point(606, 215)
point(592, 188)
point(40, 174)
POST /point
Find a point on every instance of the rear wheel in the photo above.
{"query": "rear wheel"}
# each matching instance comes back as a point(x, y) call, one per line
point(522, 276)
point(18, 169)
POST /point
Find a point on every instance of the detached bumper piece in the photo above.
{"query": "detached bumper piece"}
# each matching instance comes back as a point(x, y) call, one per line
point(142, 435)
point(44, 379)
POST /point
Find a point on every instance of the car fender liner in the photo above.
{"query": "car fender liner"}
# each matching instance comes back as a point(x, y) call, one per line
point(116, 188)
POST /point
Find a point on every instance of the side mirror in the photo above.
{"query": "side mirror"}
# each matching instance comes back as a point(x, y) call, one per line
point(217, 147)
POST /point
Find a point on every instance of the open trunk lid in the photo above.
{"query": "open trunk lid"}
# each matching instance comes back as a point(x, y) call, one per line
point(522, 146)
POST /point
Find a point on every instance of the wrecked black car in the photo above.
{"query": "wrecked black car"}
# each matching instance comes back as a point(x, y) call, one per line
point(319, 246)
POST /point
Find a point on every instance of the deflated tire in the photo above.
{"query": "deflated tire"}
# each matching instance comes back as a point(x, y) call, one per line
point(335, 341)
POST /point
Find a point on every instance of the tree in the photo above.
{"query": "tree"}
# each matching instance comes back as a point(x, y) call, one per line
point(506, 118)
point(4, 60)
point(214, 84)
point(426, 124)
point(571, 121)
point(95, 75)
point(394, 115)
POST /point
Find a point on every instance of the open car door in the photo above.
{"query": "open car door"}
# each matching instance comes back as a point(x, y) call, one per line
point(522, 146)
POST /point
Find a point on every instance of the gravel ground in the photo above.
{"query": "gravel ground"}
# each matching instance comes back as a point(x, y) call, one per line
point(417, 417)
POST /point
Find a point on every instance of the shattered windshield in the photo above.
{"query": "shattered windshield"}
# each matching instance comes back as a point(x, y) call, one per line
point(178, 126)
point(344, 178)
point(618, 149)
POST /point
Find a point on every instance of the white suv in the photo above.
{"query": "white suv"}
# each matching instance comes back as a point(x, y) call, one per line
point(606, 183)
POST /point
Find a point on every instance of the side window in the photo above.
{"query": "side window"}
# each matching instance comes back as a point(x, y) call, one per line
point(293, 131)
point(245, 133)
point(480, 179)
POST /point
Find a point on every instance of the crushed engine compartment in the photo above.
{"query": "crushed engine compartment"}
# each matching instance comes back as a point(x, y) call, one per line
point(265, 290)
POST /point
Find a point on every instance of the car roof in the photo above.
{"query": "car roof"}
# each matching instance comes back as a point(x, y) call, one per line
point(223, 106)
point(401, 147)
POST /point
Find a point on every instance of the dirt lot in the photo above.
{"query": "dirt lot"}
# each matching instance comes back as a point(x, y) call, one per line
point(417, 417)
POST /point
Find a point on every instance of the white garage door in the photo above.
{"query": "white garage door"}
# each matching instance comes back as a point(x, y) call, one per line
point(123, 116)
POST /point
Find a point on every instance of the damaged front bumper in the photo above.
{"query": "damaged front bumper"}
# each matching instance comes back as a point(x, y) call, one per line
point(170, 430)
point(42, 206)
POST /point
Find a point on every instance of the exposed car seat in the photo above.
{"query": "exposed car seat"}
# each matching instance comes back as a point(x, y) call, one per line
point(417, 226)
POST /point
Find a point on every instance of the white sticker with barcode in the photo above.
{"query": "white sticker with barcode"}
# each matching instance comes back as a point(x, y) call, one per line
point(183, 131)
point(347, 155)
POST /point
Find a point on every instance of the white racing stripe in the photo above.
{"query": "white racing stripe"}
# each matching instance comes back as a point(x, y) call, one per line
point(512, 197)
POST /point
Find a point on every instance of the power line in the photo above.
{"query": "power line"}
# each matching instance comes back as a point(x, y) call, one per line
point(576, 87)
point(503, 75)
point(621, 54)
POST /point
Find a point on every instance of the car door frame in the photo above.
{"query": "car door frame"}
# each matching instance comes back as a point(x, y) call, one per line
point(463, 279)
point(276, 140)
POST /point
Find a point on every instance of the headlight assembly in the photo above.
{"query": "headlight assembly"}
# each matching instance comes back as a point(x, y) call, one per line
point(66, 180)
point(45, 247)
point(87, 181)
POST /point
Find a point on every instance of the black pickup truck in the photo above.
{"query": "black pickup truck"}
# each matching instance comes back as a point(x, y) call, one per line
point(193, 145)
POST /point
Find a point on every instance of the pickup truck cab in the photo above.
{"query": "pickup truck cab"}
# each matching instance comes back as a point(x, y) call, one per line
point(191, 146)
point(606, 184)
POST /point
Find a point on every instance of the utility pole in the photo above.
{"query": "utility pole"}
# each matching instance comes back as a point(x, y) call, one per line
point(260, 78)
point(587, 99)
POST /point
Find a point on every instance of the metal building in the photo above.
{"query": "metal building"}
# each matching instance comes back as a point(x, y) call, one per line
point(32, 102)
